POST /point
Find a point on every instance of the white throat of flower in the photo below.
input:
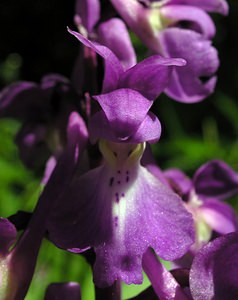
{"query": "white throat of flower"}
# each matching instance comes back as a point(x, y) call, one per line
point(122, 162)
point(121, 155)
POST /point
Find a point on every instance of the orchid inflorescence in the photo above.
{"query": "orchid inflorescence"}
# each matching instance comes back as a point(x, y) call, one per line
point(102, 190)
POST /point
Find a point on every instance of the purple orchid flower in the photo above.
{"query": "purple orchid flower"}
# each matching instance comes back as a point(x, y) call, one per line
point(44, 110)
point(213, 273)
point(17, 265)
point(159, 24)
point(119, 208)
point(63, 291)
point(145, 81)
point(212, 183)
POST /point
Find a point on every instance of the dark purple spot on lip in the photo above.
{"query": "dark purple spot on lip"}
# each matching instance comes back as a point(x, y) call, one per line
point(119, 182)
point(127, 178)
point(111, 181)
point(119, 172)
point(127, 172)
point(123, 195)
point(127, 263)
point(117, 197)
point(116, 221)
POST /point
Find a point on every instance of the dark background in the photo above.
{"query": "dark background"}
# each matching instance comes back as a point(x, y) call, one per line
point(35, 41)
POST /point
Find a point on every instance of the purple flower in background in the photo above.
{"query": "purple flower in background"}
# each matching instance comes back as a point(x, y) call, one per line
point(219, 6)
point(119, 208)
point(178, 29)
point(108, 31)
point(43, 110)
point(103, 27)
point(87, 15)
point(212, 183)
point(17, 266)
point(213, 273)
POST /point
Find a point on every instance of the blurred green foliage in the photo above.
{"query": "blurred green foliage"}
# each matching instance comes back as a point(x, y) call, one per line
point(19, 189)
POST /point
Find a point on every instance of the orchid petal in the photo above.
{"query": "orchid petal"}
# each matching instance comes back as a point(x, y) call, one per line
point(125, 110)
point(214, 269)
point(156, 171)
point(219, 216)
point(53, 80)
point(178, 181)
point(151, 76)
point(192, 14)
point(21, 100)
point(31, 143)
point(202, 60)
point(113, 67)
point(164, 284)
point(84, 214)
point(114, 35)
point(106, 209)
point(219, 6)
point(27, 100)
point(138, 18)
point(50, 165)
point(148, 131)
point(217, 180)
point(8, 236)
point(89, 13)
point(143, 204)
point(99, 127)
